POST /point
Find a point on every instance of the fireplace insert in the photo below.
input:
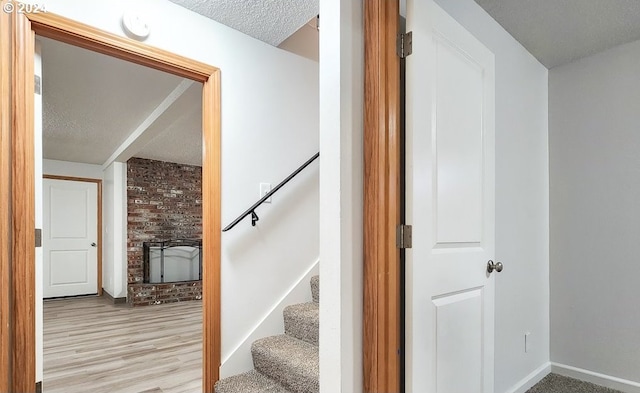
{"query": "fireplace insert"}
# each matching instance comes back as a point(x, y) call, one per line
point(173, 260)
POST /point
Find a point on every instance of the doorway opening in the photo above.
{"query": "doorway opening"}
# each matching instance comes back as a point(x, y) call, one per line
point(112, 110)
point(20, 280)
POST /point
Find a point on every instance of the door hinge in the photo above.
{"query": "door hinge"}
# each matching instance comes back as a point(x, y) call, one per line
point(403, 236)
point(37, 84)
point(404, 44)
point(38, 237)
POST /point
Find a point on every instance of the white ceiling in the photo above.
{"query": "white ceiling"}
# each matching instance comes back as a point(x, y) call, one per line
point(92, 103)
point(178, 131)
point(271, 21)
point(560, 31)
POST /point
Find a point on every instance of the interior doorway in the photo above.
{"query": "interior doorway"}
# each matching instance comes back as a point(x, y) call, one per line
point(72, 211)
point(19, 34)
point(89, 115)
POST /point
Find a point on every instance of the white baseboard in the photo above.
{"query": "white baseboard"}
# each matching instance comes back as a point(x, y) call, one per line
point(272, 323)
point(530, 380)
point(597, 378)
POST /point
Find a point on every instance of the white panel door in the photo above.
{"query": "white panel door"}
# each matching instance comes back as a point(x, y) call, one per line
point(69, 238)
point(450, 203)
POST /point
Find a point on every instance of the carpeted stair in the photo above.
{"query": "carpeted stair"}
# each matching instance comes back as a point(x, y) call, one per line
point(287, 363)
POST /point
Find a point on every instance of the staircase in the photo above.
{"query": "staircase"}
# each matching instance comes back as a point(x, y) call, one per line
point(287, 363)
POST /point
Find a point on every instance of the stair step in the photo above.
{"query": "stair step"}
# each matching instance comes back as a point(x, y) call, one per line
point(291, 362)
point(302, 321)
point(315, 288)
point(249, 382)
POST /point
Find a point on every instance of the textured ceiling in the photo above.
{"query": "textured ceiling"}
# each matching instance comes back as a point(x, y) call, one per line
point(271, 21)
point(179, 137)
point(560, 31)
point(92, 103)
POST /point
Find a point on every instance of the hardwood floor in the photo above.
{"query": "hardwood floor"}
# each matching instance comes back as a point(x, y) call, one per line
point(91, 345)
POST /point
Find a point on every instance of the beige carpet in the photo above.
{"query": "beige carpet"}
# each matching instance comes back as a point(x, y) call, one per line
point(554, 383)
point(285, 363)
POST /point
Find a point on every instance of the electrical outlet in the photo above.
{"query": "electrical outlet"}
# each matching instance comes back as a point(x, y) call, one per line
point(527, 342)
point(264, 189)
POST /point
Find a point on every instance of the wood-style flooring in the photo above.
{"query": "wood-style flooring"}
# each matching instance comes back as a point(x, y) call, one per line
point(91, 345)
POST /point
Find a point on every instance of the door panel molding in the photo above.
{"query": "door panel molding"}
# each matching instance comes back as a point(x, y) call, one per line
point(382, 193)
point(99, 233)
point(450, 200)
point(17, 272)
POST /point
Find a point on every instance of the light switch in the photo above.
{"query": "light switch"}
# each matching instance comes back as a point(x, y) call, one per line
point(264, 189)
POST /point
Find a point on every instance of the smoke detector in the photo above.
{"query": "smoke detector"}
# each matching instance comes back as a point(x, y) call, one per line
point(135, 25)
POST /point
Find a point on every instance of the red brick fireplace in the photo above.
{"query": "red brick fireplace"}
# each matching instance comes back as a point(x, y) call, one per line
point(164, 203)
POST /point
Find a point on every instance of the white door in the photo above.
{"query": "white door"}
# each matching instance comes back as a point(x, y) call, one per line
point(69, 238)
point(450, 203)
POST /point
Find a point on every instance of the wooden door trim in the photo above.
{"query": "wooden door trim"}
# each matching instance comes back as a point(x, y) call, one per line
point(382, 193)
point(84, 36)
point(99, 233)
point(5, 201)
point(17, 269)
point(22, 273)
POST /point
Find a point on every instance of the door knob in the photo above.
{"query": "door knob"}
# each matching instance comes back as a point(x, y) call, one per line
point(494, 266)
point(93, 244)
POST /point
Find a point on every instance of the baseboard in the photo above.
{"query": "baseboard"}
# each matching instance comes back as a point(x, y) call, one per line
point(114, 300)
point(240, 360)
point(530, 380)
point(599, 379)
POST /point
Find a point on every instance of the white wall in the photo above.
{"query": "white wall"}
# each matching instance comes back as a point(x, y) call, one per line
point(114, 230)
point(304, 42)
point(522, 211)
point(269, 127)
point(595, 215)
point(341, 199)
point(73, 169)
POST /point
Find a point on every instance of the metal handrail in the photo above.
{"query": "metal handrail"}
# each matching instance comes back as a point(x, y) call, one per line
point(251, 210)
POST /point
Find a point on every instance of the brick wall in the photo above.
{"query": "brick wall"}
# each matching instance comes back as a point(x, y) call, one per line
point(164, 201)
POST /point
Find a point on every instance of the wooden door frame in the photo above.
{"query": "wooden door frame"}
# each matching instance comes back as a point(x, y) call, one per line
point(17, 270)
point(382, 357)
point(6, 331)
point(98, 183)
